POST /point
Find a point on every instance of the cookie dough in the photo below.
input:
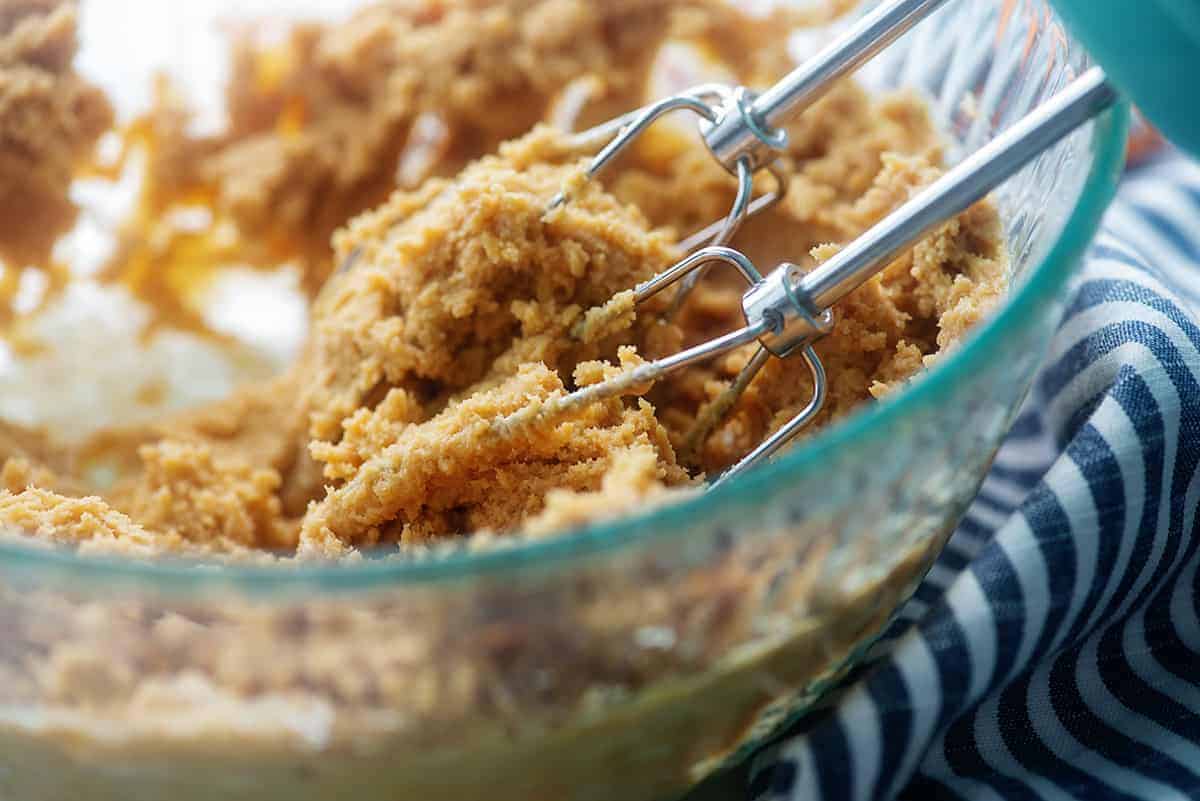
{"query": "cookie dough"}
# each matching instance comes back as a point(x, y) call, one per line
point(455, 285)
point(459, 299)
point(50, 121)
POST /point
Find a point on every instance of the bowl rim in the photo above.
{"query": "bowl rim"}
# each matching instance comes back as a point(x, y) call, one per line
point(1045, 281)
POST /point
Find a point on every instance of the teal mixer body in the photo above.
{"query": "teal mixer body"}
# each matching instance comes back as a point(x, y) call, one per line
point(1150, 50)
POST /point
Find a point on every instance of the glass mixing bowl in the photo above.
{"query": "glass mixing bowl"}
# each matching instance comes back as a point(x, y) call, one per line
point(623, 661)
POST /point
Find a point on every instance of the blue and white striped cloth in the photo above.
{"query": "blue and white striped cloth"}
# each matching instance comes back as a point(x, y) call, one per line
point(1054, 650)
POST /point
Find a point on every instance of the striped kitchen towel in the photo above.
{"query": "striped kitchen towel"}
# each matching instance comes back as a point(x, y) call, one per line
point(1054, 650)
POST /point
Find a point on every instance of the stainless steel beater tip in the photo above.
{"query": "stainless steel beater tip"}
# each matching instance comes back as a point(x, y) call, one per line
point(712, 103)
point(620, 133)
point(776, 317)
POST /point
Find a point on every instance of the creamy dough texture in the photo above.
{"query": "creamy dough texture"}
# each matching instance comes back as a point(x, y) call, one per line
point(456, 300)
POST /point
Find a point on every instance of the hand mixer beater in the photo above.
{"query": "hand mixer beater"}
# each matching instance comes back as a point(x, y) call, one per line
point(788, 310)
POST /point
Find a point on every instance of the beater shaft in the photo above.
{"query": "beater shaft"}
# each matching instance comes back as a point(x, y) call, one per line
point(749, 128)
point(954, 192)
point(864, 40)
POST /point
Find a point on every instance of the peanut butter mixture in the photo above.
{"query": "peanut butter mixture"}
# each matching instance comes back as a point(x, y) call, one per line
point(453, 286)
point(455, 301)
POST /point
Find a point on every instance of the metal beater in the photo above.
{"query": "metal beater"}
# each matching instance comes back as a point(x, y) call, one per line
point(788, 310)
